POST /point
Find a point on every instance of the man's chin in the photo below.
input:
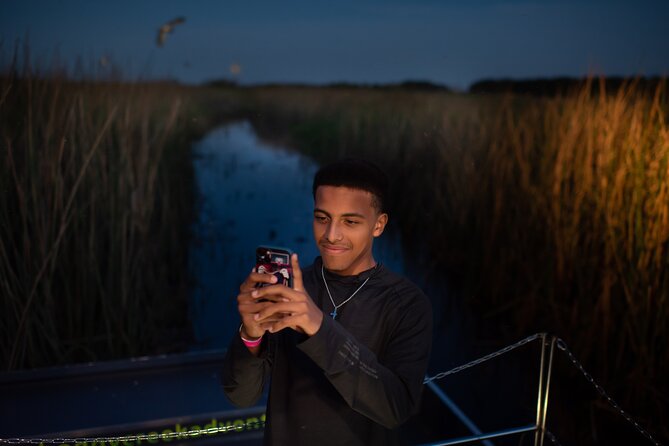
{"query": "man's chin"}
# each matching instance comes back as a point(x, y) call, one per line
point(333, 264)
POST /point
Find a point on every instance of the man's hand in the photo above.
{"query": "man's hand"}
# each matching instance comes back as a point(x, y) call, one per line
point(248, 306)
point(290, 307)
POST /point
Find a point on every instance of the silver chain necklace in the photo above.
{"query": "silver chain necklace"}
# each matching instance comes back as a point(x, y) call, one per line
point(336, 307)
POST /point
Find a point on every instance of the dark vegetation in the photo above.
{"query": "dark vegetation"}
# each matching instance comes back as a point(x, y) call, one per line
point(563, 85)
point(96, 203)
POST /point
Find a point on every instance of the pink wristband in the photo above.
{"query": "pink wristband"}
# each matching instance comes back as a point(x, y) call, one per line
point(249, 343)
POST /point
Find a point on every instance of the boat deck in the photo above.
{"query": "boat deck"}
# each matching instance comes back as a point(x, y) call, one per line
point(137, 396)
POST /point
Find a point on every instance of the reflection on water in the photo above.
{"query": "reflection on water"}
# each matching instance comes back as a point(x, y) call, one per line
point(252, 193)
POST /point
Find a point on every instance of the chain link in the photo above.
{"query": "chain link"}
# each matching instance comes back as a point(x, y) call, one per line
point(552, 438)
point(135, 438)
point(484, 358)
point(563, 347)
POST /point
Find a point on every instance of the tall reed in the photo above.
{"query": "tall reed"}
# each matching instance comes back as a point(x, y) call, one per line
point(95, 203)
point(545, 214)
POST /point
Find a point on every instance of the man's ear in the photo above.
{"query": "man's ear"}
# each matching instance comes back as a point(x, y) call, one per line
point(380, 225)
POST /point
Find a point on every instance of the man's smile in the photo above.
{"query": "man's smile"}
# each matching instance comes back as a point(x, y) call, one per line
point(334, 249)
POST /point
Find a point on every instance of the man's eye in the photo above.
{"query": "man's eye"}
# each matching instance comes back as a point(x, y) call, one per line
point(351, 222)
point(320, 218)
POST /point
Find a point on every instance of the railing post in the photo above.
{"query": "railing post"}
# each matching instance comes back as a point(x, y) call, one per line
point(544, 387)
point(541, 389)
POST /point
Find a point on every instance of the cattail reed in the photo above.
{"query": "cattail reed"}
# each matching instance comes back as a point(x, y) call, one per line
point(94, 214)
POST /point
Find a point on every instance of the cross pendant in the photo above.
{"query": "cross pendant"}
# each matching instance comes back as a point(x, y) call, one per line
point(334, 314)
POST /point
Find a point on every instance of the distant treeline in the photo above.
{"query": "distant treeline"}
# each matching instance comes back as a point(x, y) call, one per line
point(535, 87)
point(563, 85)
point(410, 85)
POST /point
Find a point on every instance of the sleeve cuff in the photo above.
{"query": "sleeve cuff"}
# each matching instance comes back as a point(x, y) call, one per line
point(243, 352)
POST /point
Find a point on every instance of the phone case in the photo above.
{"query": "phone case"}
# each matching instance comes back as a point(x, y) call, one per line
point(275, 260)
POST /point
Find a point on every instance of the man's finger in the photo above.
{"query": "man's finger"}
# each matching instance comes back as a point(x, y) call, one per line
point(298, 285)
point(274, 292)
point(252, 306)
point(291, 321)
point(276, 310)
point(254, 279)
point(263, 277)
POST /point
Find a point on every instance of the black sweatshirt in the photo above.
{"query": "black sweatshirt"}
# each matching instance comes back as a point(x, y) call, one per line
point(355, 380)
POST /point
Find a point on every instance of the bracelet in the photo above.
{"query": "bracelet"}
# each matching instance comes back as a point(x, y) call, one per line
point(247, 342)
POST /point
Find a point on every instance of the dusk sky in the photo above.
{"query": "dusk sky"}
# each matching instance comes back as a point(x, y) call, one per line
point(317, 41)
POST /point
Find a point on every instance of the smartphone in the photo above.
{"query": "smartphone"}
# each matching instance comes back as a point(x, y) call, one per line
point(275, 260)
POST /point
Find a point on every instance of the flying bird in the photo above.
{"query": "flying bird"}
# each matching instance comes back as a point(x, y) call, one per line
point(167, 28)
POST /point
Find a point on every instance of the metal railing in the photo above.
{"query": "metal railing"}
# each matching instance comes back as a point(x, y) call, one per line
point(548, 345)
point(539, 427)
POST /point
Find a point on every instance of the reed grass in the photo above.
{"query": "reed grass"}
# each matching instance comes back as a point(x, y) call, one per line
point(544, 214)
point(95, 207)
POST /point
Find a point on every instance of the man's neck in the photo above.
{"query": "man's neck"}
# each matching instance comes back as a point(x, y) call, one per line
point(356, 271)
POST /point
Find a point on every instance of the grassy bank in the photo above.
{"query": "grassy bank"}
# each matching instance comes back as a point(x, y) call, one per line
point(544, 214)
point(95, 209)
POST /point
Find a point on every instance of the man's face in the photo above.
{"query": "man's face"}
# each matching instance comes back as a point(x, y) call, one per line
point(345, 224)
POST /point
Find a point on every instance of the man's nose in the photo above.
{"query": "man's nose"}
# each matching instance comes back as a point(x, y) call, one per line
point(332, 233)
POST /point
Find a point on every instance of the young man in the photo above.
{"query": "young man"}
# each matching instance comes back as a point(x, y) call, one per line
point(346, 349)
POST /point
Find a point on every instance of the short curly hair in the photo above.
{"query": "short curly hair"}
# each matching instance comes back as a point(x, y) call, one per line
point(355, 173)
